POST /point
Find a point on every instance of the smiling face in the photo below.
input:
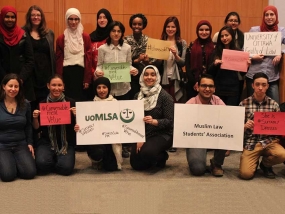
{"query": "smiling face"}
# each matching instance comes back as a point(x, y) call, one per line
point(102, 91)
point(10, 20)
point(204, 32)
point(73, 22)
point(102, 20)
point(36, 18)
point(115, 35)
point(55, 87)
point(149, 77)
point(206, 89)
point(233, 22)
point(226, 38)
point(269, 17)
point(137, 25)
point(170, 29)
point(11, 88)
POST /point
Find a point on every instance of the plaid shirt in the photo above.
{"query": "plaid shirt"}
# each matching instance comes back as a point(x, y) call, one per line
point(252, 105)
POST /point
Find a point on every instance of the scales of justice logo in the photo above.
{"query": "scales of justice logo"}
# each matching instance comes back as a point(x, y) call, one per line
point(127, 115)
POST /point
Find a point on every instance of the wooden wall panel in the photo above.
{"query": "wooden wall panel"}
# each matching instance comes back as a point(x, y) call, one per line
point(47, 6)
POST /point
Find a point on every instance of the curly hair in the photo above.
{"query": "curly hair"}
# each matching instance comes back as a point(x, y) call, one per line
point(138, 15)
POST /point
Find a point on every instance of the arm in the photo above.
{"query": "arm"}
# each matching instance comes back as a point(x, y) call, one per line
point(133, 70)
point(180, 60)
point(87, 59)
point(28, 128)
point(28, 66)
point(99, 69)
point(168, 113)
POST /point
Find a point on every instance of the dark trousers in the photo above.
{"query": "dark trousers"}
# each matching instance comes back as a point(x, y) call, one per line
point(15, 161)
point(152, 151)
point(105, 154)
point(48, 161)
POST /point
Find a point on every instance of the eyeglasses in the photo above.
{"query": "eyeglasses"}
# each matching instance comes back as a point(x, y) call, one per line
point(204, 86)
point(36, 15)
point(73, 19)
point(233, 21)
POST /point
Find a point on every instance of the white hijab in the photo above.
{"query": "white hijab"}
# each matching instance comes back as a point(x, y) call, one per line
point(149, 94)
point(73, 38)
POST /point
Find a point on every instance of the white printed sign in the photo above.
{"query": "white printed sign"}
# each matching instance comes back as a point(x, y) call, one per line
point(208, 126)
point(110, 122)
point(266, 43)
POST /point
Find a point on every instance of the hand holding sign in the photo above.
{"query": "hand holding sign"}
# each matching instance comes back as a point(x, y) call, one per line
point(158, 49)
point(235, 60)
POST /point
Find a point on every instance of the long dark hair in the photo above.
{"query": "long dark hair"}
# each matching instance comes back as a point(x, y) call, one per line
point(20, 96)
point(122, 28)
point(176, 23)
point(42, 30)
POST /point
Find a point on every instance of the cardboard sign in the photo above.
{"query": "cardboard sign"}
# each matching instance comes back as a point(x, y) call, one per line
point(269, 123)
point(208, 126)
point(109, 122)
point(158, 49)
point(235, 60)
point(57, 113)
point(117, 72)
point(266, 43)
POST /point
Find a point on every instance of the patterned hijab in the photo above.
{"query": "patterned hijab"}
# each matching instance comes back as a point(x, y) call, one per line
point(73, 38)
point(12, 36)
point(149, 94)
point(264, 27)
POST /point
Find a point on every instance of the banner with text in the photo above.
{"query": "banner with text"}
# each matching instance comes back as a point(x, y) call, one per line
point(269, 123)
point(117, 72)
point(266, 43)
point(208, 126)
point(109, 122)
point(57, 113)
point(158, 49)
point(235, 60)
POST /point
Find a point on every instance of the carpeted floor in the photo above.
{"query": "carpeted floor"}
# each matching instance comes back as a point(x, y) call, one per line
point(171, 190)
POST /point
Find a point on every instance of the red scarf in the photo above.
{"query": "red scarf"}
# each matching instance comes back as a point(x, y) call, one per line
point(12, 36)
point(264, 27)
point(196, 57)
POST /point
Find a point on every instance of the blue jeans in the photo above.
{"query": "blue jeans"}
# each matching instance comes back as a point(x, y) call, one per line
point(272, 91)
point(15, 161)
point(47, 161)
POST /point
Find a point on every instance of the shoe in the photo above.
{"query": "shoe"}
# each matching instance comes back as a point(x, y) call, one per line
point(125, 152)
point(172, 149)
point(96, 164)
point(267, 171)
point(216, 170)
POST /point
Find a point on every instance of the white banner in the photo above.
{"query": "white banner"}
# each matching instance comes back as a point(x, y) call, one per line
point(208, 126)
point(109, 122)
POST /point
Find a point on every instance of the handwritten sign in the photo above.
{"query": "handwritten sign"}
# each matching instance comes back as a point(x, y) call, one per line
point(266, 43)
point(158, 49)
point(235, 60)
point(211, 126)
point(269, 123)
point(117, 72)
point(109, 123)
point(55, 113)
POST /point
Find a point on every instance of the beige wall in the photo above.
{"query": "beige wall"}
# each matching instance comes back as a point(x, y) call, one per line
point(189, 13)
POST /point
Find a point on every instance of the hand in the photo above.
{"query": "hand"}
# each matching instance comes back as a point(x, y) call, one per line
point(146, 58)
point(258, 57)
point(31, 149)
point(139, 146)
point(249, 125)
point(76, 128)
point(195, 87)
point(248, 62)
point(99, 73)
point(218, 61)
point(134, 72)
point(85, 85)
point(173, 50)
point(73, 109)
point(36, 113)
point(141, 57)
point(276, 60)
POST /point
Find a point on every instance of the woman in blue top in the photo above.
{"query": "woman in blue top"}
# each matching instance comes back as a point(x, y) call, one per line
point(16, 149)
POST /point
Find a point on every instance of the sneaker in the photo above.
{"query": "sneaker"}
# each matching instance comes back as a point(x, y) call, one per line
point(125, 152)
point(267, 171)
point(172, 149)
point(216, 170)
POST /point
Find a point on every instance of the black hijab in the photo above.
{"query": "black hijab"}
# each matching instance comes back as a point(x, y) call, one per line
point(101, 33)
point(103, 81)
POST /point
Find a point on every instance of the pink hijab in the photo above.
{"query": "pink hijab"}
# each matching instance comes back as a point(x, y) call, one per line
point(264, 27)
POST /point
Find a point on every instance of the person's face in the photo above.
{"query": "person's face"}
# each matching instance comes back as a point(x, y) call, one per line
point(233, 22)
point(149, 77)
point(115, 35)
point(170, 29)
point(269, 17)
point(55, 87)
point(204, 31)
point(102, 20)
point(226, 37)
point(102, 91)
point(137, 25)
point(73, 22)
point(36, 17)
point(11, 88)
point(260, 86)
point(10, 20)
point(206, 88)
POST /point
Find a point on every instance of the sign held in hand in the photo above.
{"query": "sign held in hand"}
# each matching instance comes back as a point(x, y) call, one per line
point(235, 60)
point(57, 113)
point(269, 123)
point(158, 49)
point(117, 72)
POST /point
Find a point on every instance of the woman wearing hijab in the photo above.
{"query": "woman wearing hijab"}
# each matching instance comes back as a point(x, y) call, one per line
point(198, 56)
point(267, 64)
point(16, 51)
point(73, 56)
point(159, 115)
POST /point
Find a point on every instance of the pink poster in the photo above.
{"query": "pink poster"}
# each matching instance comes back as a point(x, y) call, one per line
point(55, 113)
point(235, 60)
point(269, 123)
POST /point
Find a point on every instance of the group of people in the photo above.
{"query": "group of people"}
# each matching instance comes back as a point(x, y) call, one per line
point(31, 72)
